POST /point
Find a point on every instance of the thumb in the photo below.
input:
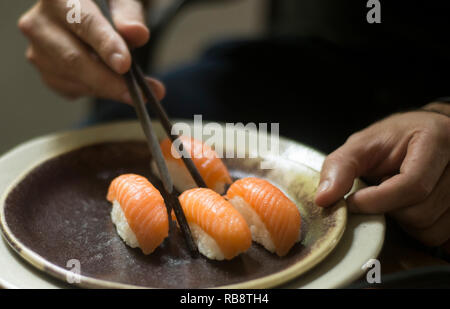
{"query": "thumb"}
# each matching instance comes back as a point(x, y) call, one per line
point(129, 18)
point(339, 170)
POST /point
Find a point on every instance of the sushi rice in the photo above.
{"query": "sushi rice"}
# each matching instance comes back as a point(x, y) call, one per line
point(122, 226)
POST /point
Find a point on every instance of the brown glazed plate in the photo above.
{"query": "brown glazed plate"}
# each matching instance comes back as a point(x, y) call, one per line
point(56, 212)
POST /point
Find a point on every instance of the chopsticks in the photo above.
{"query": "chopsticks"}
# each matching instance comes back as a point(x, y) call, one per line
point(167, 125)
point(134, 79)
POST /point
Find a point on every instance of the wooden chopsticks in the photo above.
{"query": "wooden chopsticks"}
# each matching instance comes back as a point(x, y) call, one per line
point(134, 79)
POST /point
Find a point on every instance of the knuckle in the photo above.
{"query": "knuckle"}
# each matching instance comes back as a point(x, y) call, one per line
point(26, 23)
point(336, 156)
point(71, 58)
point(86, 23)
point(421, 190)
point(355, 137)
point(107, 43)
point(340, 158)
point(332, 159)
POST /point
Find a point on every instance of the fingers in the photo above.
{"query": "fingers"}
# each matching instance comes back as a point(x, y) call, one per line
point(340, 170)
point(129, 18)
point(69, 87)
point(86, 58)
point(427, 213)
point(435, 235)
point(27, 21)
point(95, 30)
point(65, 53)
point(61, 83)
point(419, 173)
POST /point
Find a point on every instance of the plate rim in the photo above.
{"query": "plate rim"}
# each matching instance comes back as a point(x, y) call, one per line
point(54, 270)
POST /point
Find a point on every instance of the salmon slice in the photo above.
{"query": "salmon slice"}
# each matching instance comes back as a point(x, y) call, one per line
point(273, 218)
point(143, 207)
point(210, 166)
point(209, 213)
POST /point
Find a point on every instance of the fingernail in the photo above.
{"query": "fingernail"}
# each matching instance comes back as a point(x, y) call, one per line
point(116, 62)
point(324, 185)
point(126, 98)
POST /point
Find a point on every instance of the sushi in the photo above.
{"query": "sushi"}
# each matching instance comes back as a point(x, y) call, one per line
point(138, 212)
point(218, 229)
point(273, 218)
point(210, 166)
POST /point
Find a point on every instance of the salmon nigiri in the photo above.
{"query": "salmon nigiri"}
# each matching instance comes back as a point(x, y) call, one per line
point(218, 229)
point(210, 166)
point(273, 218)
point(138, 212)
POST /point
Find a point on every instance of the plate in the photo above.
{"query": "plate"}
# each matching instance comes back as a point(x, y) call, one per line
point(57, 147)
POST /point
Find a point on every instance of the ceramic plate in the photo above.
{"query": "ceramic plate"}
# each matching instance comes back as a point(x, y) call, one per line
point(56, 212)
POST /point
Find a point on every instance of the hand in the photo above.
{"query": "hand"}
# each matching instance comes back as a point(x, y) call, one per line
point(407, 157)
point(87, 58)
